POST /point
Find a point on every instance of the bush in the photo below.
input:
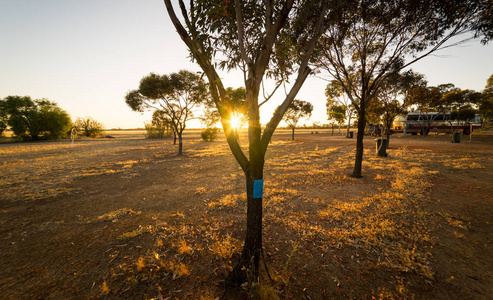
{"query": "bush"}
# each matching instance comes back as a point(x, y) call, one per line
point(154, 131)
point(209, 134)
point(89, 127)
point(55, 122)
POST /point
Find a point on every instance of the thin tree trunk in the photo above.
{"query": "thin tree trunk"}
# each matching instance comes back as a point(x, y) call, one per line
point(387, 129)
point(359, 143)
point(180, 143)
point(388, 138)
point(292, 134)
point(348, 126)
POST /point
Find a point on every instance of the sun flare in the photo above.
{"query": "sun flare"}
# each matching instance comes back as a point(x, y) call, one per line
point(235, 122)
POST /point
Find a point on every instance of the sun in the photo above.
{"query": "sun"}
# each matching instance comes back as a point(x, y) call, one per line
point(235, 122)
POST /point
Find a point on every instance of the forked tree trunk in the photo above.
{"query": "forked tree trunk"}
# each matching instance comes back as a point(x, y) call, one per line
point(359, 143)
point(248, 265)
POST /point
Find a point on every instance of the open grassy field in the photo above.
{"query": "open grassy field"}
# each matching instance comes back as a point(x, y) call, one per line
point(125, 217)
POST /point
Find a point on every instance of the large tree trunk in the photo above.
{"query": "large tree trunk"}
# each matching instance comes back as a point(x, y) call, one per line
point(359, 143)
point(248, 265)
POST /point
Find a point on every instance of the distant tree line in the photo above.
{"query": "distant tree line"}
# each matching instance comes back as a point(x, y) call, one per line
point(41, 119)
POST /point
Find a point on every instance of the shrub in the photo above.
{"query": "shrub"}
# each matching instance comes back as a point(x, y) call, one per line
point(89, 127)
point(154, 131)
point(209, 134)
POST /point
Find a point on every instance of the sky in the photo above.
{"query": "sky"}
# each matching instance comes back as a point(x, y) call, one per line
point(86, 55)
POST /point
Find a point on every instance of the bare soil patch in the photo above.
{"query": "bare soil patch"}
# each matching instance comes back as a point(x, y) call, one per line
point(127, 218)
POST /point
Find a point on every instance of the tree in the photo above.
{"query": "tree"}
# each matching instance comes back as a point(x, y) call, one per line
point(89, 127)
point(376, 38)
point(175, 95)
point(458, 99)
point(392, 97)
point(35, 119)
point(272, 39)
point(160, 126)
point(54, 122)
point(335, 94)
point(297, 110)
point(3, 116)
point(22, 117)
point(338, 114)
point(486, 106)
point(462, 105)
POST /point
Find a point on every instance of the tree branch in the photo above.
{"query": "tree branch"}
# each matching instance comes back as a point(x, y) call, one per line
point(241, 31)
point(303, 73)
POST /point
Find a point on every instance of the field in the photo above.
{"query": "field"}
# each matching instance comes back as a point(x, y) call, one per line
point(125, 217)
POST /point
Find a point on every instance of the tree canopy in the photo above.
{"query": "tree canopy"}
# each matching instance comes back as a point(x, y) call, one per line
point(298, 109)
point(174, 95)
point(34, 119)
point(486, 106)
point(339, 103)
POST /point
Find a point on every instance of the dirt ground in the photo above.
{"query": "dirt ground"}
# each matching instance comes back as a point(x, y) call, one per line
point(125, 217)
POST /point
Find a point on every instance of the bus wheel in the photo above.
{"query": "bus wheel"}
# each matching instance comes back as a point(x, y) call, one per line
point(414, 133)
point(466, 131)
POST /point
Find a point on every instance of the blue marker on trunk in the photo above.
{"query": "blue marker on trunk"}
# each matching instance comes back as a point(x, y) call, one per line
point(258, 188)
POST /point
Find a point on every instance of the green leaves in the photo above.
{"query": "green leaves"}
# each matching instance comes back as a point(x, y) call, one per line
point(34, 119)
point(296, 110)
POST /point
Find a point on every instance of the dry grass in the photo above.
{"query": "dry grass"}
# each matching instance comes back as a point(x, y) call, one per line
point(321, 226)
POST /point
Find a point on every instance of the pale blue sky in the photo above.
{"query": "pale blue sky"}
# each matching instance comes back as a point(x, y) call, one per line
point(85, 55)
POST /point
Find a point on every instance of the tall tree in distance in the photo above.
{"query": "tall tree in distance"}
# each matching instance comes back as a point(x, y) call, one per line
point(336, 113)
point(376, 38)
point(4, 117)
point(298, 109)
point(391, 97)
point(337, 99)
point(486, 106)
point(264, 39)
point(175, 95)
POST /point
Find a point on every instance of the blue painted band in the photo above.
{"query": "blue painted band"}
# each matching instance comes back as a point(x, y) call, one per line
point(258, 188)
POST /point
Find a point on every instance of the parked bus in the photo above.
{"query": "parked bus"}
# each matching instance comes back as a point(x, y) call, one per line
point(425, 122)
